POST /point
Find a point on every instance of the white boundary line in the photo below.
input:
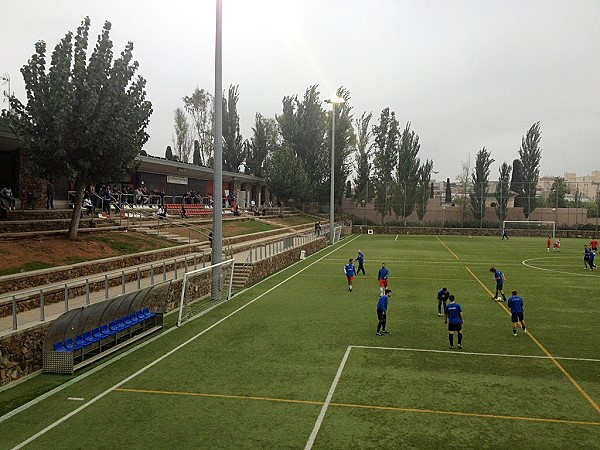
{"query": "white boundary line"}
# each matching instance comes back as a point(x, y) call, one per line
point(338, 375)
point(461, 352)
point(156, 361)
point(524, 262)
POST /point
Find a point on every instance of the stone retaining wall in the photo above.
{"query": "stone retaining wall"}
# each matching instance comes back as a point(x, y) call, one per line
point(21, 353)
point(33, 279)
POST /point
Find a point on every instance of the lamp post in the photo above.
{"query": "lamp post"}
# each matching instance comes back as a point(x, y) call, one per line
point(334, 101)
point(443, 216)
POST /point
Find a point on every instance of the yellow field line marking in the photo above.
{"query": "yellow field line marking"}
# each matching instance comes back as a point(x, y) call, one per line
point(447, 248)
point(552, 358)
point(351, 405)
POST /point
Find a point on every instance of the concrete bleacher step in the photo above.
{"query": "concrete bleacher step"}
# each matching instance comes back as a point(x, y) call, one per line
point(241, 273)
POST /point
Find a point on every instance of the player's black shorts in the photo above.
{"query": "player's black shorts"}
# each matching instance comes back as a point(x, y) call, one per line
point(381, 315)
point(516, 317)
point(499, 286)
point(454, 326)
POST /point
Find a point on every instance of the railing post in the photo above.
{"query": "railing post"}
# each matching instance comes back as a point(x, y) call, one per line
point(66, 297)
point(42, 312)
point(164, 271)
point(14, 312)
point(122, 281)
point(138, 278)
point(105, 286)
point(175, 268)
point(87, 291)
point(185, 266)
point(151, 275)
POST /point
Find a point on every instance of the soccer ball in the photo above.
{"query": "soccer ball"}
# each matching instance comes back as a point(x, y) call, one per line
point(499, 298)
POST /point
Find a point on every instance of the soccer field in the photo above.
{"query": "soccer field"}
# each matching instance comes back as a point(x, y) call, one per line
point(294, 362)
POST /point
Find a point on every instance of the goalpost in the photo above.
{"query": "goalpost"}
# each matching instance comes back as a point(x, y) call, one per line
point(527, 225)
point(337, 234)
point(205, 288)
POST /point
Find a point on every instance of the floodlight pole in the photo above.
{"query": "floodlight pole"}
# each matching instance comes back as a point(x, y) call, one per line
point(217, 242)
point(332, 188)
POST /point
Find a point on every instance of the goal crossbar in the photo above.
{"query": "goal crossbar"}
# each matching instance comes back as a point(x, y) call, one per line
point(532, 222)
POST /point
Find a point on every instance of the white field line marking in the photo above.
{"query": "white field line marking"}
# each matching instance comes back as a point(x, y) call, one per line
point(454, 352)
point(156, 361)
point(525, 263)
point(396, 238)
point(315, 431)
point(77, 399)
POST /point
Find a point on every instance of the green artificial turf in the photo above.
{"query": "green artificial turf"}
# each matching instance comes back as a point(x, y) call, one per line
point(259, 378)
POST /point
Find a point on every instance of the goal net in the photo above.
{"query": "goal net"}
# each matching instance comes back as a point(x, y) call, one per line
point(547, 225)
point(205, 288)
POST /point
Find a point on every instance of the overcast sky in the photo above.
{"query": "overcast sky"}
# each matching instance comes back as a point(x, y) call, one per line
point(466, 74)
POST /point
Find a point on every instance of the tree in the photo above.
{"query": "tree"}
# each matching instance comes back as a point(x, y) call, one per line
point(558, 191)
point(233, 149)
point(84, 118)
point(303, 125)
point(182, 139)
point(286, 176)
point(200, 106)
point(363, 159)
point(503, 191)
point(197, 157)
point(423, 188)
point(169, 153)
point(386, 137)
point(530, 154)
point(448, 192)
point(516, 184)
point(264, 141)
point(407, 168)
point(481, 183)
point(464, 182)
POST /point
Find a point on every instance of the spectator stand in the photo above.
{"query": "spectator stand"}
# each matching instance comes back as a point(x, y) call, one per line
point(84, 335)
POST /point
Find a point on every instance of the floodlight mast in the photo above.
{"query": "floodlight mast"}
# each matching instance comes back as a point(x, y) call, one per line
point(334, 100)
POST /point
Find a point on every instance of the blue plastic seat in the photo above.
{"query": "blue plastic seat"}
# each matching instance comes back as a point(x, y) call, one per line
point(147, 313)
point(106, 331)
point(89, 337)
point(69, 344)
point(60, 347)
point(80, 343)
point(116, 325)
point(134, 318)
point(140, 315)
point(97, 333)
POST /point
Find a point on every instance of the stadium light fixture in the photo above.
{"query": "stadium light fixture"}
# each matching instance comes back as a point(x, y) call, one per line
point(334, 100)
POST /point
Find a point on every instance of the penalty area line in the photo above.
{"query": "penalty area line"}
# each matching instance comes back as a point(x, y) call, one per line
point(498, 355)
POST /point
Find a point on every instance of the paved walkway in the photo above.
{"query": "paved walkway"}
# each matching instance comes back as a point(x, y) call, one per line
point(32, 318)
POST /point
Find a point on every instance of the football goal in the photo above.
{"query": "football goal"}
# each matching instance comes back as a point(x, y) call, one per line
point(530, 225)
point(205, 288)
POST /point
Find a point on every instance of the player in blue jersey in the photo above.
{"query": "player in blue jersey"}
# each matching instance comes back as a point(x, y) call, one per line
point(382, 306)
point(586, 256)
point(442, 297)
point(349, 271)
point(500, 278)
point(361, 259)
point(383, 276)
point(515, 303)
point(455, 319)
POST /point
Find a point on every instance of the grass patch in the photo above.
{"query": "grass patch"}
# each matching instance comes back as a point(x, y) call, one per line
point(27, 267)
point(290, 221)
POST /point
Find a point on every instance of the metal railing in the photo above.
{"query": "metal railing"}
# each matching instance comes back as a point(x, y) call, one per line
point(87, 290)
point(279, 245)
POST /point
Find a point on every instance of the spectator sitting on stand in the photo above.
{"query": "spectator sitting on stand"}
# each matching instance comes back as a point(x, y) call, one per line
point(162, 212)
point(236, 211)
point(6, 193)
point(183, 212)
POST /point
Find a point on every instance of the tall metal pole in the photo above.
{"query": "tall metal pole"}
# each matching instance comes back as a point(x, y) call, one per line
point(217, 242)
point(332, 193)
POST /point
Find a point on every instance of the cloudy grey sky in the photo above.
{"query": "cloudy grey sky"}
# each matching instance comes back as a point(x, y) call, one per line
point(465, 73)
